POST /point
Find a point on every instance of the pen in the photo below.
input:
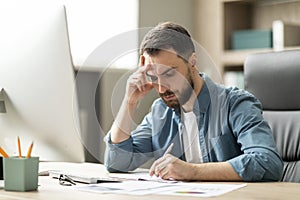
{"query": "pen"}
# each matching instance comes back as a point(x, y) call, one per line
point(19, 147)
point(29, 151)
point(169, 149)
point(4, 154)
point(189, 192)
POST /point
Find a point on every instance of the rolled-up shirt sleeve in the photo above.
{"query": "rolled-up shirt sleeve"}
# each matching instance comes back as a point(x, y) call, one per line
point(131, 153)
point(260, 160)
point(116, 155)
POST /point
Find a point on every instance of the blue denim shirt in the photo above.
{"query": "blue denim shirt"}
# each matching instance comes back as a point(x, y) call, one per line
point(231, 128)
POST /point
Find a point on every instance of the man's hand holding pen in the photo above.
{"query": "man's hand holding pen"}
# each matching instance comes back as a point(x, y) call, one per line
point(170, 167)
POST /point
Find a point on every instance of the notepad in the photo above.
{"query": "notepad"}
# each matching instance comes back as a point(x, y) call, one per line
point(83, 178)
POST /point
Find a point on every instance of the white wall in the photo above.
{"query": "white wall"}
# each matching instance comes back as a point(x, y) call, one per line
point(154, 11)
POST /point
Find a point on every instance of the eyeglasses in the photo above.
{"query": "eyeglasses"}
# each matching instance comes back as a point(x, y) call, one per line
point(66, 180)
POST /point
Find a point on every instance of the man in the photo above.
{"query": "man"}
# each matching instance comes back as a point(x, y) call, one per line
point(197, 129)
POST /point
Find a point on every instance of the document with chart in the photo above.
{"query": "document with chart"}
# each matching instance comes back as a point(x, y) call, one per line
point(146, 187)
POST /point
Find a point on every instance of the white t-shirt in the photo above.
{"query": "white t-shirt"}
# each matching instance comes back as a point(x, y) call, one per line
point(191, 143)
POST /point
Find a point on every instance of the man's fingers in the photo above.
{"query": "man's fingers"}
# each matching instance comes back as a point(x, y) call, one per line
point(166, 160)
point(139, 80)
point(145, 68)
point(143, 74)
point(160, 166)
point(154, 165)
point(164, 173)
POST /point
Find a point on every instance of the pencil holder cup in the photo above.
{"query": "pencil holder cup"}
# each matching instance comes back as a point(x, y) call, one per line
point(1, 168)
point(20, 174)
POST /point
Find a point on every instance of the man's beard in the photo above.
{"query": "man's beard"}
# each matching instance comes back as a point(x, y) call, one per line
point(180, 100)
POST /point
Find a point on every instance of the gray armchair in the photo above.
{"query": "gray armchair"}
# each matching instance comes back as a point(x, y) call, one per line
point(274, 78)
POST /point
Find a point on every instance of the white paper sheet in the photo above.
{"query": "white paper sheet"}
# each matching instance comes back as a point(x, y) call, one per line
point(161, 188)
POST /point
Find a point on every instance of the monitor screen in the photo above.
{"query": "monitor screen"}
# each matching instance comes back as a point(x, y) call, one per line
point(38, 99)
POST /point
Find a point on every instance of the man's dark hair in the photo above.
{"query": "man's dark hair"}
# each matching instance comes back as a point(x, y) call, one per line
point(166, 36)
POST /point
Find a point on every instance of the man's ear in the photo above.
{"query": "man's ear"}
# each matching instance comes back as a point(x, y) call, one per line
point(193, 60)
point(142, 60)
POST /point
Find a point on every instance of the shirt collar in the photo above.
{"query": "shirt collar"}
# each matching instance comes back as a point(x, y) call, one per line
point(203, 99)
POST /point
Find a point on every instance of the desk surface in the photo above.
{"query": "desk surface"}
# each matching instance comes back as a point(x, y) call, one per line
point(50, 189)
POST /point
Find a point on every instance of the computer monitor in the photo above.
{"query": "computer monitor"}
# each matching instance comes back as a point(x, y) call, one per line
point(38, 101)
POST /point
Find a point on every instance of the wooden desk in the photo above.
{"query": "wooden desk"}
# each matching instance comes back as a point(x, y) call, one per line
point(50, 189)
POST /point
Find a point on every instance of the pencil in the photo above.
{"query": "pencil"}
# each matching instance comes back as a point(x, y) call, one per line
point(29, 151)
point(4, 154)
point(169, 149)
point(19, 147)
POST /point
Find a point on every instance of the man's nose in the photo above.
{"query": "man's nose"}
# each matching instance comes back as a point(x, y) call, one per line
point(162, 87)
